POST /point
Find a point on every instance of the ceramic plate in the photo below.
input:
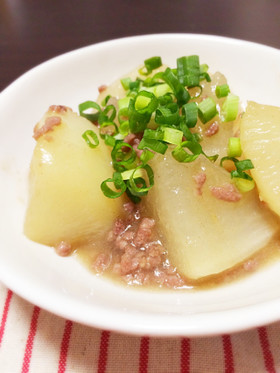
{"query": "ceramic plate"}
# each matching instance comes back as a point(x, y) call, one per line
point(62, 285)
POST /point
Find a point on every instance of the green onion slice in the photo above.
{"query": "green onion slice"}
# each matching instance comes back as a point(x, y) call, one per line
point(106, 99)
point(172, 135)
point(150, 65)
point(91, 138)
point(119, 184)
point(122, 158)
point(168, 114)
point(190, 113)
point(142, 189)
point(244, 185)
point(180, 92)
point(188, 71)
point(146, 156)
point(152, 144)
point(140, 114)
point(125, 83)
point(207, 110)
point(230, 108)
point(182, 155)
point(222, 90)
point(108, 128)
point(84, 106)
point(234, 147)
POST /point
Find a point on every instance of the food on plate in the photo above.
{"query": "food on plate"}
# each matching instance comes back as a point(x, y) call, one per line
point(163, 181)
point(66, 203)
point(260, 138)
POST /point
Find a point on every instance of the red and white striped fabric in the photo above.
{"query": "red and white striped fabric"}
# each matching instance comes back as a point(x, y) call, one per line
point(35, 341)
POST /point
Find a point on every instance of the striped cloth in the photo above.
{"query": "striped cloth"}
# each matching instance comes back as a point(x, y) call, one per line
point(35, 341)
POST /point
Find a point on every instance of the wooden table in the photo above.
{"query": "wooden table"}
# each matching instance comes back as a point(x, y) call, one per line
point(33, 31)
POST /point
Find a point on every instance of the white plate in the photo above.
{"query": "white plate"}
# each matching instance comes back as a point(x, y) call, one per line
point(65, 287)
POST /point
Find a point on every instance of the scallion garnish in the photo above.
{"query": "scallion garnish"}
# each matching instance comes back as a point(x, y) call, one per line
point(91, 138)
point(150, 65)
point(188, 71)
point(180, 92)
point(172, 135)
point(181, 155)
point(137, 186)
point(241, 167)
point(92, 106)
point(159, 111)
point(118, 183)
point(234, 147)
point(123, 155)
point(125, 83)
point(140, 116)
point(230, 108)
point(190, 113)
point(207, 110)
point(168, 114)
point(222, 90)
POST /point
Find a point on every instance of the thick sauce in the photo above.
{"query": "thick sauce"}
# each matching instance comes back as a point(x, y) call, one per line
point(133, 253)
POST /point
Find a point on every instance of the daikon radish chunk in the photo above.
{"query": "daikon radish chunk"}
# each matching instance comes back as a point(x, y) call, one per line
point(260, 141)
point(65, 200)
point(205, 235)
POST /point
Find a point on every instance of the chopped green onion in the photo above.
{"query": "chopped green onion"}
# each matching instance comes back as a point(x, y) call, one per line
point(119, 184)
point(155, 145)
point(121, 158)
point(190, 112)
point(139, 118)
point(150, 65)
point(234, 147)
point(108, 128)
point(172, 135)
point(244, 165)
point(188, 71)
point(103, 117)
point(110, 140)
point(124, 128)
point(207, 110)
point(241, 167)
point(142, 190)
point(84, 106)
point(146, 156)
point(134, 85)
point(230, 108)
point(244, 185)
point(203, 72)
point(168, 114)
point(153, 134)
point(124, 102)
point(183, 156)
point(106, 99)
point(127, 174)
point(180, 92)
point(222, 90)
point(162, 89)
point(90, 135)
point(142, 101)
point(125, 83)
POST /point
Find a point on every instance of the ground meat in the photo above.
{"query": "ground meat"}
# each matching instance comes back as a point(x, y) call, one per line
point(63, 248)
point(212, 129)
point(199, 179)
point(138, 256)
point(102, 88)
point(59, 108)
point(226, 192)
point(50, 122)
point(101, 263)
